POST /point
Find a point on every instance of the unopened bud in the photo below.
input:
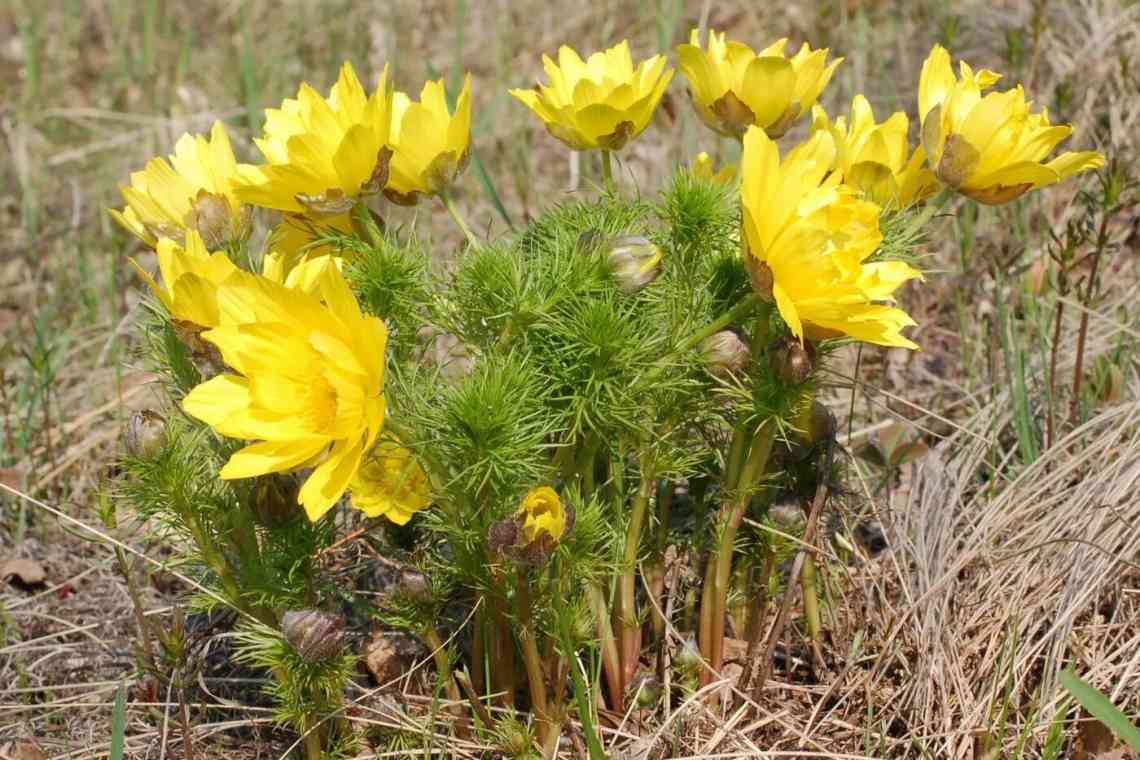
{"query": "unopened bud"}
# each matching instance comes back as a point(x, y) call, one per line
point(502, 535)
point(792, 361)
point(415, 585)
point(635, 261)
point(821, 423)
point(146, 434)
point(315, 635)
point(725, 353)
point(213, 219)
point(275, 500)
point(646, 689)
point(689, 658)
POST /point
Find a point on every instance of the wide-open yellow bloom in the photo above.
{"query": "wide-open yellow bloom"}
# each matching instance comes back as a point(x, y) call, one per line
point(989, 147)
point(602, 102)
point(542, 513)
point(322, 153)
point(808, 238)
point(875, 158)
point(307, 386)
point(190, 191)
point(190, 278)
point(390, 483)
point(431, 143)
point(733, 87)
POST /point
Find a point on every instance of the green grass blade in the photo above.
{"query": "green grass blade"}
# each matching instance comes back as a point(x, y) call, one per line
point(490, 189)
point(1101, 708)
point(119, 723)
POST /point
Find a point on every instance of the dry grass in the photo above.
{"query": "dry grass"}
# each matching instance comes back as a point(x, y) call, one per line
point(999, 575)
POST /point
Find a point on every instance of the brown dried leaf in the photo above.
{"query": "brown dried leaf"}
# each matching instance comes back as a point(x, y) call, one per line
point(27, 572)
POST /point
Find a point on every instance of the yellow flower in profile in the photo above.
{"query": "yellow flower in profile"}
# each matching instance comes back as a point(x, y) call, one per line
point(542, 514)
point(733, 87)
point(190, 278)
point(875, 158)
point(702, 167)
point(307, 386)
point(390, 483)
point(989, 147)
point(602, 102)
point(322, 153)
point(190, 191)
point(431, 143)
point(809, 237)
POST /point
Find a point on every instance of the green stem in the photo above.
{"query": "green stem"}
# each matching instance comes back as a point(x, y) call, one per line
point(449, 204)
point(608, 171)
point(630, 625)
point(313, 749)
point(531, 658)
point(611, 662)
point(932, 207)
point(811, 604)
point(732, 516)
point(743, 308)
point(443, 667)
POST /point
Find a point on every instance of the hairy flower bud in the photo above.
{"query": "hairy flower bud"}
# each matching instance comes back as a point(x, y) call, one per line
point(502, 535)
point(725, 353)
point(415, 585)
point(635, 261)
point(646, 688)
point(792, 362)
point(821, 423)
point(315, 635)
point(146, 434)
point(275, 500)
point(689, 657)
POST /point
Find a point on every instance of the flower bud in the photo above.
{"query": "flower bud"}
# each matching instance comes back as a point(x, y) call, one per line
point(635, 261)
point(821, 423)
point(792, 361)
point(146, 434)
point(415, 585)
point(502, 535)
point(725, 353)
point(315, 635)
point(689, 658)
point(646, 689)
point(275, 500)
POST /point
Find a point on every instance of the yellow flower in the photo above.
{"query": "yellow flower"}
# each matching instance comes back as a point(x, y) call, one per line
point(390, 483)
point(989, 147)
point(190, 278)
point(602, 102)
point(308, 382)
point(542, 514)
point(808, 238)
point(875, 158)
point(431, 143)
point(191, 191)
point(294, 239)
point(734, 87)
point(322, 153)
point(702, 167)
